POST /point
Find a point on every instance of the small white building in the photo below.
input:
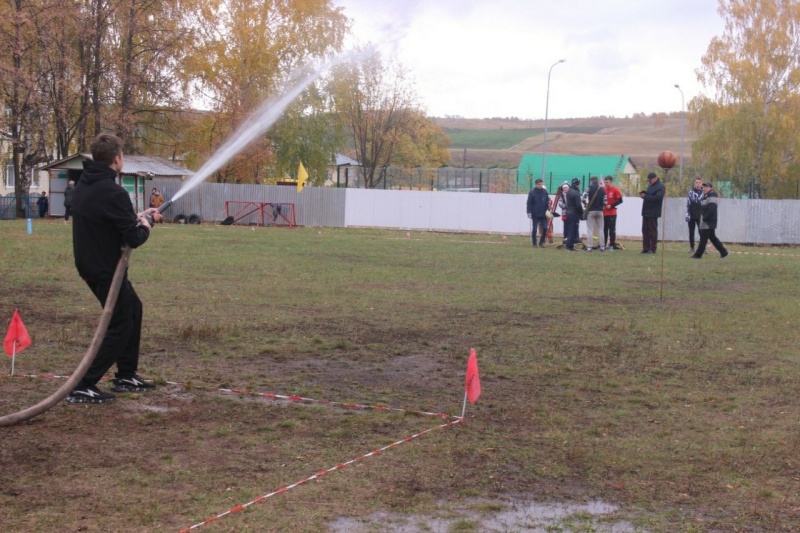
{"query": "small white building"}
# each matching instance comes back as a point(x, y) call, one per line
point(136, 176)
point(345, 172)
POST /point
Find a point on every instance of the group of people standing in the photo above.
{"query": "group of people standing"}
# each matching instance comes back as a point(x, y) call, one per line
point(597, 205)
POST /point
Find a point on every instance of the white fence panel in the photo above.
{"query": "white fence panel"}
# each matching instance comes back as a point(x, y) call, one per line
point(437, 211)
point(740, 221)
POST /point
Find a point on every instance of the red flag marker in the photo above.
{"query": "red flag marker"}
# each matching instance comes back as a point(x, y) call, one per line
point(17, 338)
point(472, 385)
point(473, 381)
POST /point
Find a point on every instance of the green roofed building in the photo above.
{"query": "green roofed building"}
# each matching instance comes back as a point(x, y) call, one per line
point(564, 167)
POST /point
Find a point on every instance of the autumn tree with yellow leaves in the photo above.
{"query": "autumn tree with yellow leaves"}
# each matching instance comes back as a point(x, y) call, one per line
point(749, 131)
point(176, 78)
point(382, 118)
point(245, 51)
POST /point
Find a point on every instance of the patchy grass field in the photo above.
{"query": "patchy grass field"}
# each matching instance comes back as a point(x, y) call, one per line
point(683, 412)
point(490, 139)
point(504, 141)
point(509, 138)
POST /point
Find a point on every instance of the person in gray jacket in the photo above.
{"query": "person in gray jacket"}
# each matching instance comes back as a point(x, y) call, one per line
point(708, 223)
point(68, 200)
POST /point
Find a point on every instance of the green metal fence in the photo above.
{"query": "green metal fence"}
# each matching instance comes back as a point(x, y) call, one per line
point(501, 180)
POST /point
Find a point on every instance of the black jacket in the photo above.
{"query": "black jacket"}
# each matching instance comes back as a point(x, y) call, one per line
point(598, 194)
point(68, 192)
point(103, 220)
point(709, 211)
point(693, 199)
point(538, 201)
point(653, 199)
point(574, 203)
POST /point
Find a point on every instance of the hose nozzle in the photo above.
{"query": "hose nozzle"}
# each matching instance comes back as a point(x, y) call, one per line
point(166, 205)
point(163, 207)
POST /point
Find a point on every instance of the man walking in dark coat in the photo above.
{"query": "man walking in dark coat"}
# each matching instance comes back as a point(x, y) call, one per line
point(104, 221)
point(538, 202)
point(652, 202)
point(708, 223)
point(68, 192)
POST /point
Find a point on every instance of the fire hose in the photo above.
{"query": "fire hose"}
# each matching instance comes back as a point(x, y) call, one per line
point(99, 334)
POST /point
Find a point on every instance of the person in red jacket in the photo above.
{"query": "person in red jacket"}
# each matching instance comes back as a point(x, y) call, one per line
point(613, 199)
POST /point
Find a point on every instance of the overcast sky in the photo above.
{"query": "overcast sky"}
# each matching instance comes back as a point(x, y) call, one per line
point(491, 59)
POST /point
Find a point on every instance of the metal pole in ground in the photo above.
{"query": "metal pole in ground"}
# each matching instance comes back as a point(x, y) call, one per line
point(663, 231)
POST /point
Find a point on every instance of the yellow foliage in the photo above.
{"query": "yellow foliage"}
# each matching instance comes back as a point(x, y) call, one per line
point(748, 133)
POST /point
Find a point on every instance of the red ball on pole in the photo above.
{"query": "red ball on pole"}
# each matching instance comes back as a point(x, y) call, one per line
point(667, 160)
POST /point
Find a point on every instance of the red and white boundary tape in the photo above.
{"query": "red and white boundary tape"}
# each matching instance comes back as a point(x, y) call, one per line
point(270, 396)
point(318, 475)
point(294, 398)
point(773, 254)
point(302, 399)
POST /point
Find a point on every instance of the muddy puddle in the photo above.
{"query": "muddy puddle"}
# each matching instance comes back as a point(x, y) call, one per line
point(511, 514)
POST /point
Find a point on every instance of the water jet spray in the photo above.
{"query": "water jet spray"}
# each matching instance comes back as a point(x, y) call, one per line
point(259, 122)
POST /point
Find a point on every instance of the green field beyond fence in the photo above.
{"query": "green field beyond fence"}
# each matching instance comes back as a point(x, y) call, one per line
point(490, 139)
point(682, 412)
point(503, 139)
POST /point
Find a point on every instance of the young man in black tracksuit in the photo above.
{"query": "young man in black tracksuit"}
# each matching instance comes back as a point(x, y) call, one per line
point(693, 207)
point(103, 220)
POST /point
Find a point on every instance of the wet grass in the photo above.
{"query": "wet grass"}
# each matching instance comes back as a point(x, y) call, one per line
point(680, 411)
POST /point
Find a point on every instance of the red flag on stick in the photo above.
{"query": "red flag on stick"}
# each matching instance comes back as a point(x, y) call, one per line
point(473, 382)
point(17, 338)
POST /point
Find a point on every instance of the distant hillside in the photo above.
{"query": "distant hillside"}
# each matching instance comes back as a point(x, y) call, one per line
point(497, 141)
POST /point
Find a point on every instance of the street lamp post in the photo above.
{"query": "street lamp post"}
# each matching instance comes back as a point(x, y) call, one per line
point(546, 109)
point(683, 125)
